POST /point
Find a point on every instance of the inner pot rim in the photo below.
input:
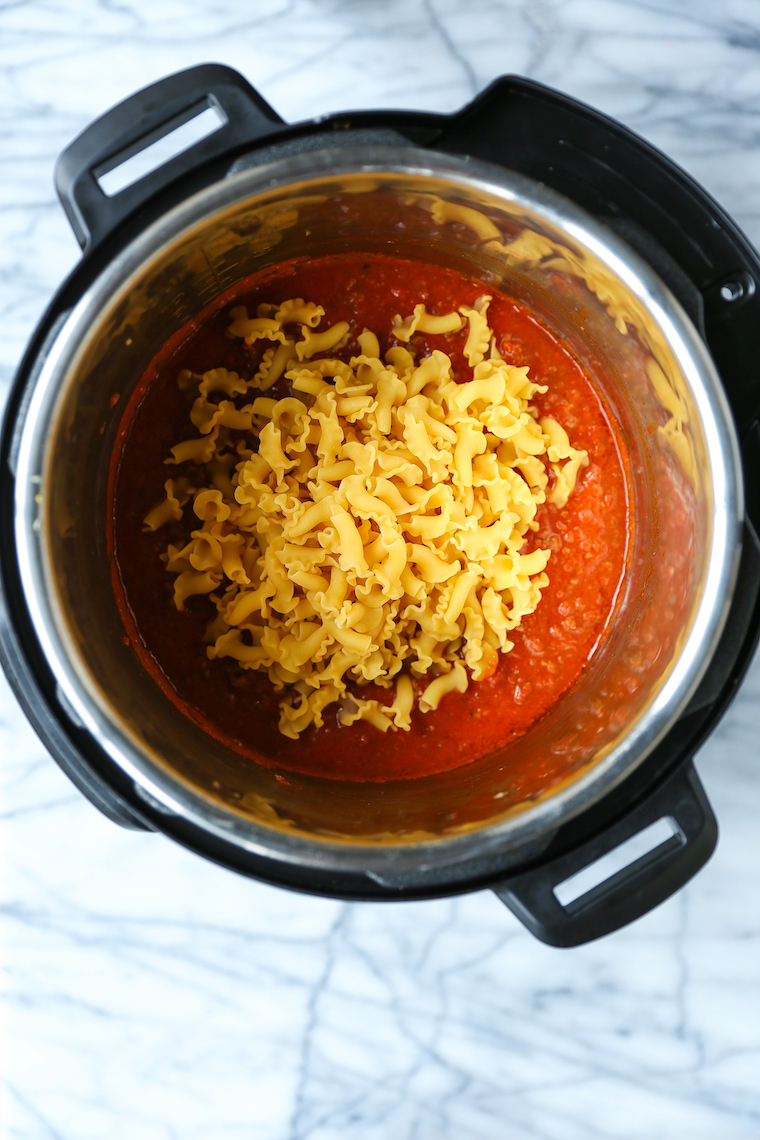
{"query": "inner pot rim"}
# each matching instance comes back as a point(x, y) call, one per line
point(168, 791)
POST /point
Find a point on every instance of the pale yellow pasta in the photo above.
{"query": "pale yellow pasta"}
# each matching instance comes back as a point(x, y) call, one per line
point(321, 342)
point(257, 328)
point(195, 450)
point(560, 448)
point(422, 321)
point(453, 681)
point(370, 526)
point(479, 334)
point(298, 310)
point(465, 215)
point(178, 491)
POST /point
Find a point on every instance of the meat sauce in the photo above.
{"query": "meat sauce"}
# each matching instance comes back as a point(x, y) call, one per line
point(588, 537)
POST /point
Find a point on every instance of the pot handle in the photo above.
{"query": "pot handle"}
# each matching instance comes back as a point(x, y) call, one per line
point(143, 119)
point(679, 807)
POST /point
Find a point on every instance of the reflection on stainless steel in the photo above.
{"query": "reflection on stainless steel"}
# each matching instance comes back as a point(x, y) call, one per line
point(645, 358)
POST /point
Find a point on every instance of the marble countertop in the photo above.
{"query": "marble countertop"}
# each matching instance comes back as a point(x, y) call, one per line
point(152, 996)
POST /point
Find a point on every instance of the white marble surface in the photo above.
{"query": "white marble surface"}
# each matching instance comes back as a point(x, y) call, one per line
point(152, 996)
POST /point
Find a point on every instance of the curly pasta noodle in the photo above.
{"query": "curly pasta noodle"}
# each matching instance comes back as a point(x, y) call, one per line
point(369, 527)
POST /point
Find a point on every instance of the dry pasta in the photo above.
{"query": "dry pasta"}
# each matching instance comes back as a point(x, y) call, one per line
point(371, 526)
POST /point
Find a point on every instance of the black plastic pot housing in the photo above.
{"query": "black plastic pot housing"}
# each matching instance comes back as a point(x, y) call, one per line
point(695, 249)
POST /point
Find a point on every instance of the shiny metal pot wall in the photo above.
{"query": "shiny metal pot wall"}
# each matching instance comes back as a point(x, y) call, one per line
point(633, 338)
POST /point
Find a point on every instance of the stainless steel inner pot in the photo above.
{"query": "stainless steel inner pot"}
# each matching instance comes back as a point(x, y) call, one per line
point(643, 354)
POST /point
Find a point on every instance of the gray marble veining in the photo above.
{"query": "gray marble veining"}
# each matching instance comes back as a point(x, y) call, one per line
point(152, 996)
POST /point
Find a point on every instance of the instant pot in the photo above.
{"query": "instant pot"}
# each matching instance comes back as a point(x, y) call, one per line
point(628, 260)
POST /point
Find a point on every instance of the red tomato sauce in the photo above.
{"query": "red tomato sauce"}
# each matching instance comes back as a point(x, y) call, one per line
point(588, 537)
